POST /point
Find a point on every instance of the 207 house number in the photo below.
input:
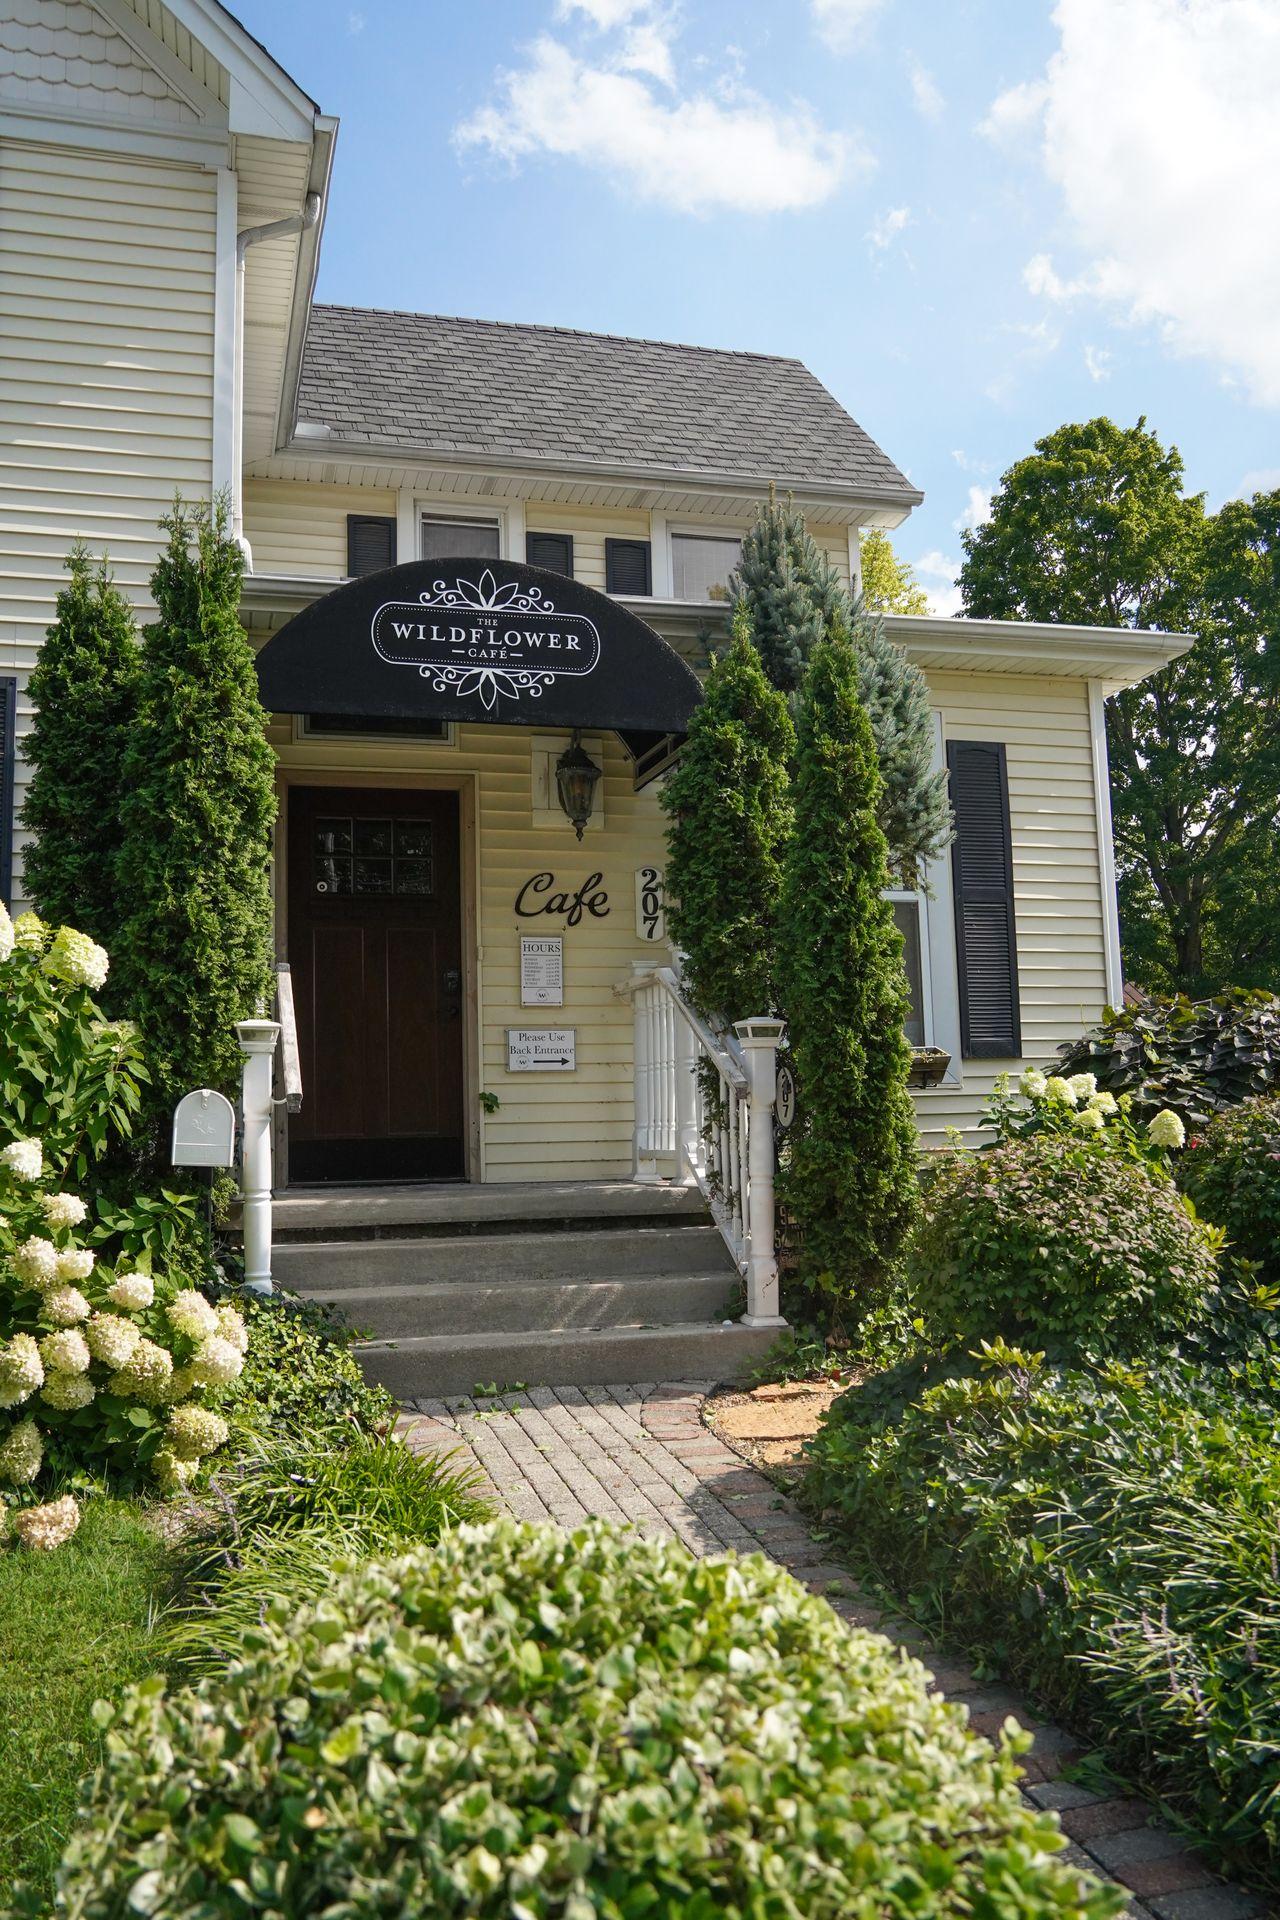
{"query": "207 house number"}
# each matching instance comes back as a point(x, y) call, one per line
point(590, 898)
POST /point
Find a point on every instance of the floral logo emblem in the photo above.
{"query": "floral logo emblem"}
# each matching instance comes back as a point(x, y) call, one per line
point(474, 637)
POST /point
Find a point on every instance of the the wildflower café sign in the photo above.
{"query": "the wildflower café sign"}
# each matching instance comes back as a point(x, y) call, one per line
point(489, 640)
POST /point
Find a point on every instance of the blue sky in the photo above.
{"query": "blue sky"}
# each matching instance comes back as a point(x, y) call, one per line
point(974, 219)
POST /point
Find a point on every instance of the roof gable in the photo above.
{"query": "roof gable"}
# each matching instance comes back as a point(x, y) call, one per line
point(549, 396)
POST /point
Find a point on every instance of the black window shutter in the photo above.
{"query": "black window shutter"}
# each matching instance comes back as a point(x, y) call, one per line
point(982, 872)
point(8, 755)
point(371, 543)
point(551, 550)
point(626, 566)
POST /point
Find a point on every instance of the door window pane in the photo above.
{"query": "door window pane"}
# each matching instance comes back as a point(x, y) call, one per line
point(373, 856)
point(701, 565)
point(906, 914)
point(459, 539)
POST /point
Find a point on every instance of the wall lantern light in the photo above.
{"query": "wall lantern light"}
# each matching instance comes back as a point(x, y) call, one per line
point(577, 776)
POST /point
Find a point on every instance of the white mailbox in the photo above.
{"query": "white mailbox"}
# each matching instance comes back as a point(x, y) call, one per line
point(204, 1130)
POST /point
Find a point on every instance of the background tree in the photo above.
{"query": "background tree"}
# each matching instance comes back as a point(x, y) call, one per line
point(195, 950)
point(1094, 527)
point(84, 689)
point(850, 1177)
point(792, 597)
point(730, 815)
point(889, 585)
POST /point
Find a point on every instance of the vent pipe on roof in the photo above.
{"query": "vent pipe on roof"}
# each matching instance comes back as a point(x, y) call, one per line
point(246, 238)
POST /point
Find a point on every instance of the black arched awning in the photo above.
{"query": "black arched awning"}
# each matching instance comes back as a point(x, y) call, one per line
point(488, 640)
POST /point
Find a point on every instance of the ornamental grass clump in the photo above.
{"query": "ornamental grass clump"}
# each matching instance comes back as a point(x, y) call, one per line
point(540, 1725)
point(1057, 1239)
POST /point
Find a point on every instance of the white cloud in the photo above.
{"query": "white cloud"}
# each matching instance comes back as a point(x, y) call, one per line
point(977, 511)
point(926, 94)
point(699, 152)
point(647, 49)
point(886, 227)
point(1097, 362)
point(1260, 480)
point(1159, 128)
point(937, 575)
point(355, 23)
point(842, 23)
point(605, 14)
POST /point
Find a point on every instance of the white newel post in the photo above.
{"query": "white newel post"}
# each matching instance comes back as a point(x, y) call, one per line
point(258, 1040)
point(687, 1141)
point(645, 1165)
point(760, 1040)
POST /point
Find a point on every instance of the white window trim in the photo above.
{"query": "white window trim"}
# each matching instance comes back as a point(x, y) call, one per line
point(503, 515)
point(696, 530)
point(916, 897)
point(939, 980)
point(1106, 845)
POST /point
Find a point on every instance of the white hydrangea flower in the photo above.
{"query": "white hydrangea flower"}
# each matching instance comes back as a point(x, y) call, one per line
point(21, 1371)
point(1165, 1129)
point(216, 1363)
point(75, 1263)
point(6, 933)
point(111, 1339)
point(194, 1431)
point(190, 1313)
point(133, 1292)
point(1061, 1091)
point(146, 1375)
point(65, 1352)
point(1033, 1083)
point(1103, 1103)
point(44, 1528)
point(76, 960)
point(24, 1159)
point(231, 1326)
point(21, 1452)
point(35, 1262)
point(171, 1472)
point(1083, 1085)
point(67, 1392)
point(63, 1209)
point(65, 1306)
point(1089, 1120)
point(30, 933)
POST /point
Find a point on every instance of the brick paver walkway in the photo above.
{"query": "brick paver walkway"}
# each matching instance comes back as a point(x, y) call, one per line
point(642, 1454)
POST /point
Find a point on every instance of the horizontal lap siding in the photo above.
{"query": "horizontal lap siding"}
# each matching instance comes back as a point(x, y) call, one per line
point(1057, 883)
point(550, 1125)
point(303, 529)
point(106, 372)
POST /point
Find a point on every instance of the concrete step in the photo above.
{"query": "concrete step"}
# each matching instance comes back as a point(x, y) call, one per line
point(510, 1306)
point(329, 1268)
point(523, 1206)
point(443, 1364)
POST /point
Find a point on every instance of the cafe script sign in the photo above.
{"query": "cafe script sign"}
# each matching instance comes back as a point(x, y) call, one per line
point(480, 640)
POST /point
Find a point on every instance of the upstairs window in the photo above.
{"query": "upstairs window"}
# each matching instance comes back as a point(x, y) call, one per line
point(446, 539)
point(701, 564)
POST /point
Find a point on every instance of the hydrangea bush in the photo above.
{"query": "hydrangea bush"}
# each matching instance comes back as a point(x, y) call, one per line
point(1075, 1107)
point(538, 1725)
point(102, 1362)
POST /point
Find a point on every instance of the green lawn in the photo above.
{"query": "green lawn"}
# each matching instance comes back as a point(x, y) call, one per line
point(75, 1626)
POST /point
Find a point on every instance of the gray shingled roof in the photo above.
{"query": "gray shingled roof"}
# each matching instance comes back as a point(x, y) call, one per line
point(483, 389)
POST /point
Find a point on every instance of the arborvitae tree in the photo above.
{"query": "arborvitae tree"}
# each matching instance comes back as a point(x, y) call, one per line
point(84, 689)
point(792, 596)
point(198, 807)
point(730, 815)
point(850, 1178)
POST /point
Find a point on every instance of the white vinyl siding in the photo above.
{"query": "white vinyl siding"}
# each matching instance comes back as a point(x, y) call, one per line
point(106, 371)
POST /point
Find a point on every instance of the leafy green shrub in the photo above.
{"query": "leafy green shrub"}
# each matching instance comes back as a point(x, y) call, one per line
point(104, 1362)
point(1196, 1056)
point(1056, 1240)
point(527, 1722)
point(1231, 1169)
point(287, 1514)
point(1107, 1538)
point(300, 1377)
point(1078, 1107)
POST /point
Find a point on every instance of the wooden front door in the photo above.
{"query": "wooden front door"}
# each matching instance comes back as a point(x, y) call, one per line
point(375, 946)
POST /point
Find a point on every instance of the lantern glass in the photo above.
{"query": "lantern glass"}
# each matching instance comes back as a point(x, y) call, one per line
point(577, 777)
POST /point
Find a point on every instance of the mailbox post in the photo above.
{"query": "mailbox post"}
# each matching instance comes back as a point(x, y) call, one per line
point(258, 1040)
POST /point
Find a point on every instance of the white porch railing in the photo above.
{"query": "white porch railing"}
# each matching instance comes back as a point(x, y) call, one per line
point(704, 1113)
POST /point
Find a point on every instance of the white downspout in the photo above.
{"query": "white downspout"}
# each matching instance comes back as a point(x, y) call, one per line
point(250, 237)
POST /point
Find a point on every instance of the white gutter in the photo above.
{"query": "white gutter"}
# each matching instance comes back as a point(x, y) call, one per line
point(250, 237)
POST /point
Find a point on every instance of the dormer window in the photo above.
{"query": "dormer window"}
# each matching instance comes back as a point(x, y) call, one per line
point(701, 564)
